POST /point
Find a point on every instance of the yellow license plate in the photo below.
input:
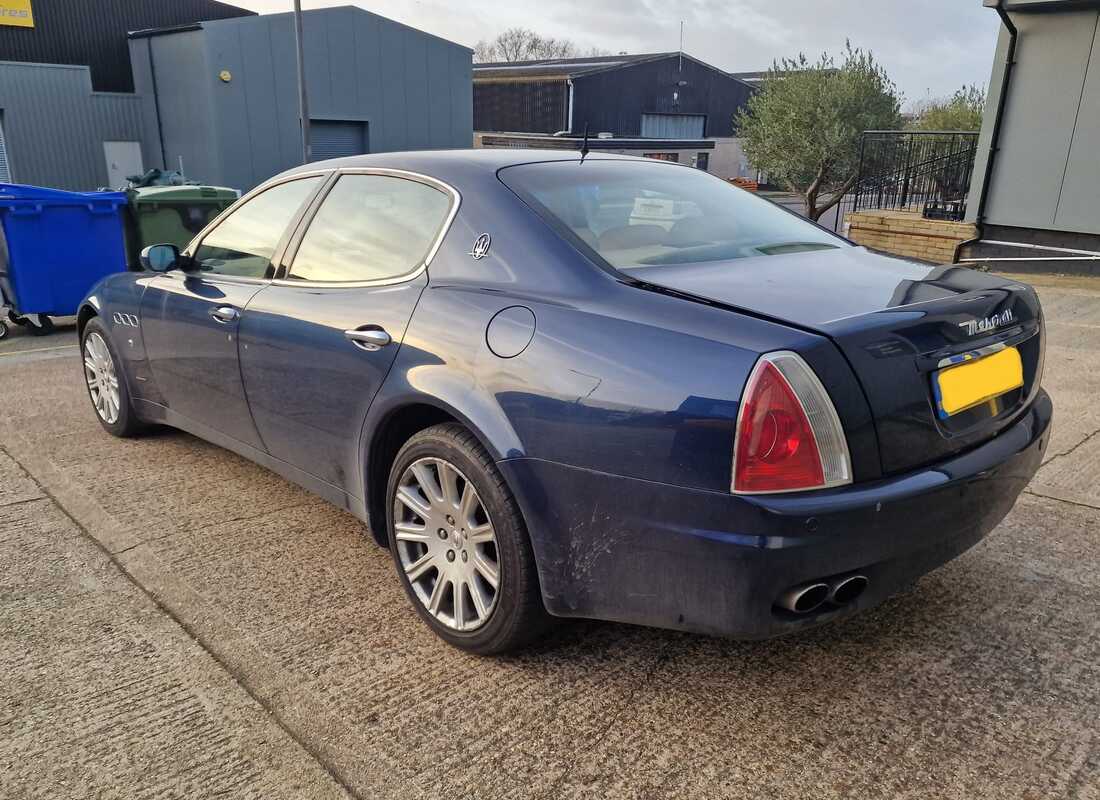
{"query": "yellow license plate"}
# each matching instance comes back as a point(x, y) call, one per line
point(972, 383)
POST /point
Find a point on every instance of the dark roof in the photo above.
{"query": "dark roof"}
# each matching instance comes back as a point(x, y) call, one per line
point(749, 77)
point(308, 16)
point(560, 67)
point(757, 78)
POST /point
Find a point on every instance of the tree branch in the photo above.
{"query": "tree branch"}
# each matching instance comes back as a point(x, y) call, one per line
point(836, 198)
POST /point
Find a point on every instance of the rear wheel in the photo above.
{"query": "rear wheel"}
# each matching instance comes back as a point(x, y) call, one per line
point(106, 385)
point(460, 545)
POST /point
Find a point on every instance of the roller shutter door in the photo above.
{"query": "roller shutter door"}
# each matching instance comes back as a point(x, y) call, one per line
point(673, 126)
point(336, 139)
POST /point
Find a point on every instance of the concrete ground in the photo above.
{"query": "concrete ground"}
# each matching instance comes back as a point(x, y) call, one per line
point(177, 622)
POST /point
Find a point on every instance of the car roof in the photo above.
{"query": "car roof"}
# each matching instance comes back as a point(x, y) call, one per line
point(453, 165)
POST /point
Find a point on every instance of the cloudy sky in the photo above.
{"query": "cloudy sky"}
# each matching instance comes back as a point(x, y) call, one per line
point(929, 47)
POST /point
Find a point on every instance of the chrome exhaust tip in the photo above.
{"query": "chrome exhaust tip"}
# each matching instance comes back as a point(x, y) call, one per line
point(804, 598)
point(847, 589)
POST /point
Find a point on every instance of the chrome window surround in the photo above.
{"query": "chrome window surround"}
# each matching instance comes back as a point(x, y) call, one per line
point(306, 218)
point(196, 242)
point(416, 271)
point(832, 421)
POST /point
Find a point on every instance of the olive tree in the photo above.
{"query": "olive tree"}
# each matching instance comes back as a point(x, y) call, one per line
point(804, 124)
point(962, 111)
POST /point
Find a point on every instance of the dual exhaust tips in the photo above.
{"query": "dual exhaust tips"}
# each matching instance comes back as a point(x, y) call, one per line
point(807, 597)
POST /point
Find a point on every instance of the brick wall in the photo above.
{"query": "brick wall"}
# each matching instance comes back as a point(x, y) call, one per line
point(907, 233)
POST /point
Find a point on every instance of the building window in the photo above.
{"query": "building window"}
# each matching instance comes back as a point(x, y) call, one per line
point(702, 161)
point(664, 156)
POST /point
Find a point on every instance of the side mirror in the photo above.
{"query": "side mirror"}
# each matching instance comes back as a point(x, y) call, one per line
point(160, 257)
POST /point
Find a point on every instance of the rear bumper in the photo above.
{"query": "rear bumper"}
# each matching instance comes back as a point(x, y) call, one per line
point(622, 549)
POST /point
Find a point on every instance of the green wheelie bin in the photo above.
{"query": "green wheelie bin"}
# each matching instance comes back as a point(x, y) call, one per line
point(171, 214)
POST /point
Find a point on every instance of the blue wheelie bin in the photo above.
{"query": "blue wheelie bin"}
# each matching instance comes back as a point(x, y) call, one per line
point(55, 246)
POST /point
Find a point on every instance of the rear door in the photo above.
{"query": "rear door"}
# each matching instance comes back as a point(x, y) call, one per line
point(318, 342)
point(190, 319)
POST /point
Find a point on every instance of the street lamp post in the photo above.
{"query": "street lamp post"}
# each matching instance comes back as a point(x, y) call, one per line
point(303, 103)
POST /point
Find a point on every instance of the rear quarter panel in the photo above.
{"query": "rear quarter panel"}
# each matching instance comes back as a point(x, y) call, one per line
point(616, 378)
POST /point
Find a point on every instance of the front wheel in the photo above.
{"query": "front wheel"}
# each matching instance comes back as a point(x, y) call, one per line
point(460, 545)
point(105, 382)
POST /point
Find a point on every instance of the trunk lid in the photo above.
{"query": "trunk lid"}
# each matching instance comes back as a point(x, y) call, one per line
point(897, 322)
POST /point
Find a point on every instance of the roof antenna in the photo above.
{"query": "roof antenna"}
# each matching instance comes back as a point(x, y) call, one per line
point(584, 144)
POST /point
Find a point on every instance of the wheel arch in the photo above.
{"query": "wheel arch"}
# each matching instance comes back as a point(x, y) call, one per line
point(88, 309)
point(394, 423)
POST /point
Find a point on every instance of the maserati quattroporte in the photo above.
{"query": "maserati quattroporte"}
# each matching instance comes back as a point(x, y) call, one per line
point(606, 387)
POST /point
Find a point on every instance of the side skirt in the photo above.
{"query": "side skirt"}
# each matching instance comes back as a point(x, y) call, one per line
point(158, 414)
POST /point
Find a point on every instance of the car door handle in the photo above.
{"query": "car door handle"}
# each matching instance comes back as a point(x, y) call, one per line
point(370, 340)
point(224, 314)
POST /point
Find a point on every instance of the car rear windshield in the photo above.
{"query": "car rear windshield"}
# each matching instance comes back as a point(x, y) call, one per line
point(638, 214)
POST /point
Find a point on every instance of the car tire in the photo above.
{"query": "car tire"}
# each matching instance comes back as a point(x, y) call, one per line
point(464, 612)
point(113, 409)
point(44, 326)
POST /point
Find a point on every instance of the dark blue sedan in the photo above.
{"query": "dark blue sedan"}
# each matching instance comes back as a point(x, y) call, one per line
point(598, 387)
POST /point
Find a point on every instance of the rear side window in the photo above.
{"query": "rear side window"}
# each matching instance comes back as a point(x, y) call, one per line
point(369, 228)
point(638, 214)
point(245, 241)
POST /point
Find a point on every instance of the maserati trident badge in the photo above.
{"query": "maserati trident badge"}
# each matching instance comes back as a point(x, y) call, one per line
point(481, 246)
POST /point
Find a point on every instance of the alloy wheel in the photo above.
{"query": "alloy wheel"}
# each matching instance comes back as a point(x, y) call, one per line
point(446, 544)
point(102, 380)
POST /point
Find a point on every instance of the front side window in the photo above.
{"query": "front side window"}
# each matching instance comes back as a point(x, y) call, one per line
point(369, 228)
point(244, 243)
point(638, 214)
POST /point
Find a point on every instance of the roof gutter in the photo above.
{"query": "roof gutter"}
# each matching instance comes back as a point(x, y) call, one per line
point(995, 135)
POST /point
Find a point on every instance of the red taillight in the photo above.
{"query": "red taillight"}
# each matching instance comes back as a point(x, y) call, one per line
point(788, 435)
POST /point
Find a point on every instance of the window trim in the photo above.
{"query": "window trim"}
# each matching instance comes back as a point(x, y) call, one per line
point(290, 252)
point(284, 239)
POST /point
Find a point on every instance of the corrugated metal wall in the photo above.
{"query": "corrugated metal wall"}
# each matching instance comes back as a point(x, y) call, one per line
point(1047, 170)
point(93, 33)
point(521, 106)
point(55, 125)
point(615, 100)
point(413, 90)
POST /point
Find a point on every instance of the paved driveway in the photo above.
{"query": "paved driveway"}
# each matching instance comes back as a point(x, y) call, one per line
point(175, 621)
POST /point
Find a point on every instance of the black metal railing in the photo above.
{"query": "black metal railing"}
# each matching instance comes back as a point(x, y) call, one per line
point(926, 171)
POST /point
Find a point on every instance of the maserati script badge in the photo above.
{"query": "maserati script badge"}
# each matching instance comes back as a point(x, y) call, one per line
point(976, 326)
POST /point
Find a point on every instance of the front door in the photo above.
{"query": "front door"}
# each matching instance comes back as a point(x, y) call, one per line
point(123, 160)
point(316, 346)
point(190, 319)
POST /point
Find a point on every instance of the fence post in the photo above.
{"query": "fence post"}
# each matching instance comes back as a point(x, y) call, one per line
point(859, 181)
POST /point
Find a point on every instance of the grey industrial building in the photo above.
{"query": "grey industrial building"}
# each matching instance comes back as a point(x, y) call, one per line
point(221, 94)
point(1035, 194)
